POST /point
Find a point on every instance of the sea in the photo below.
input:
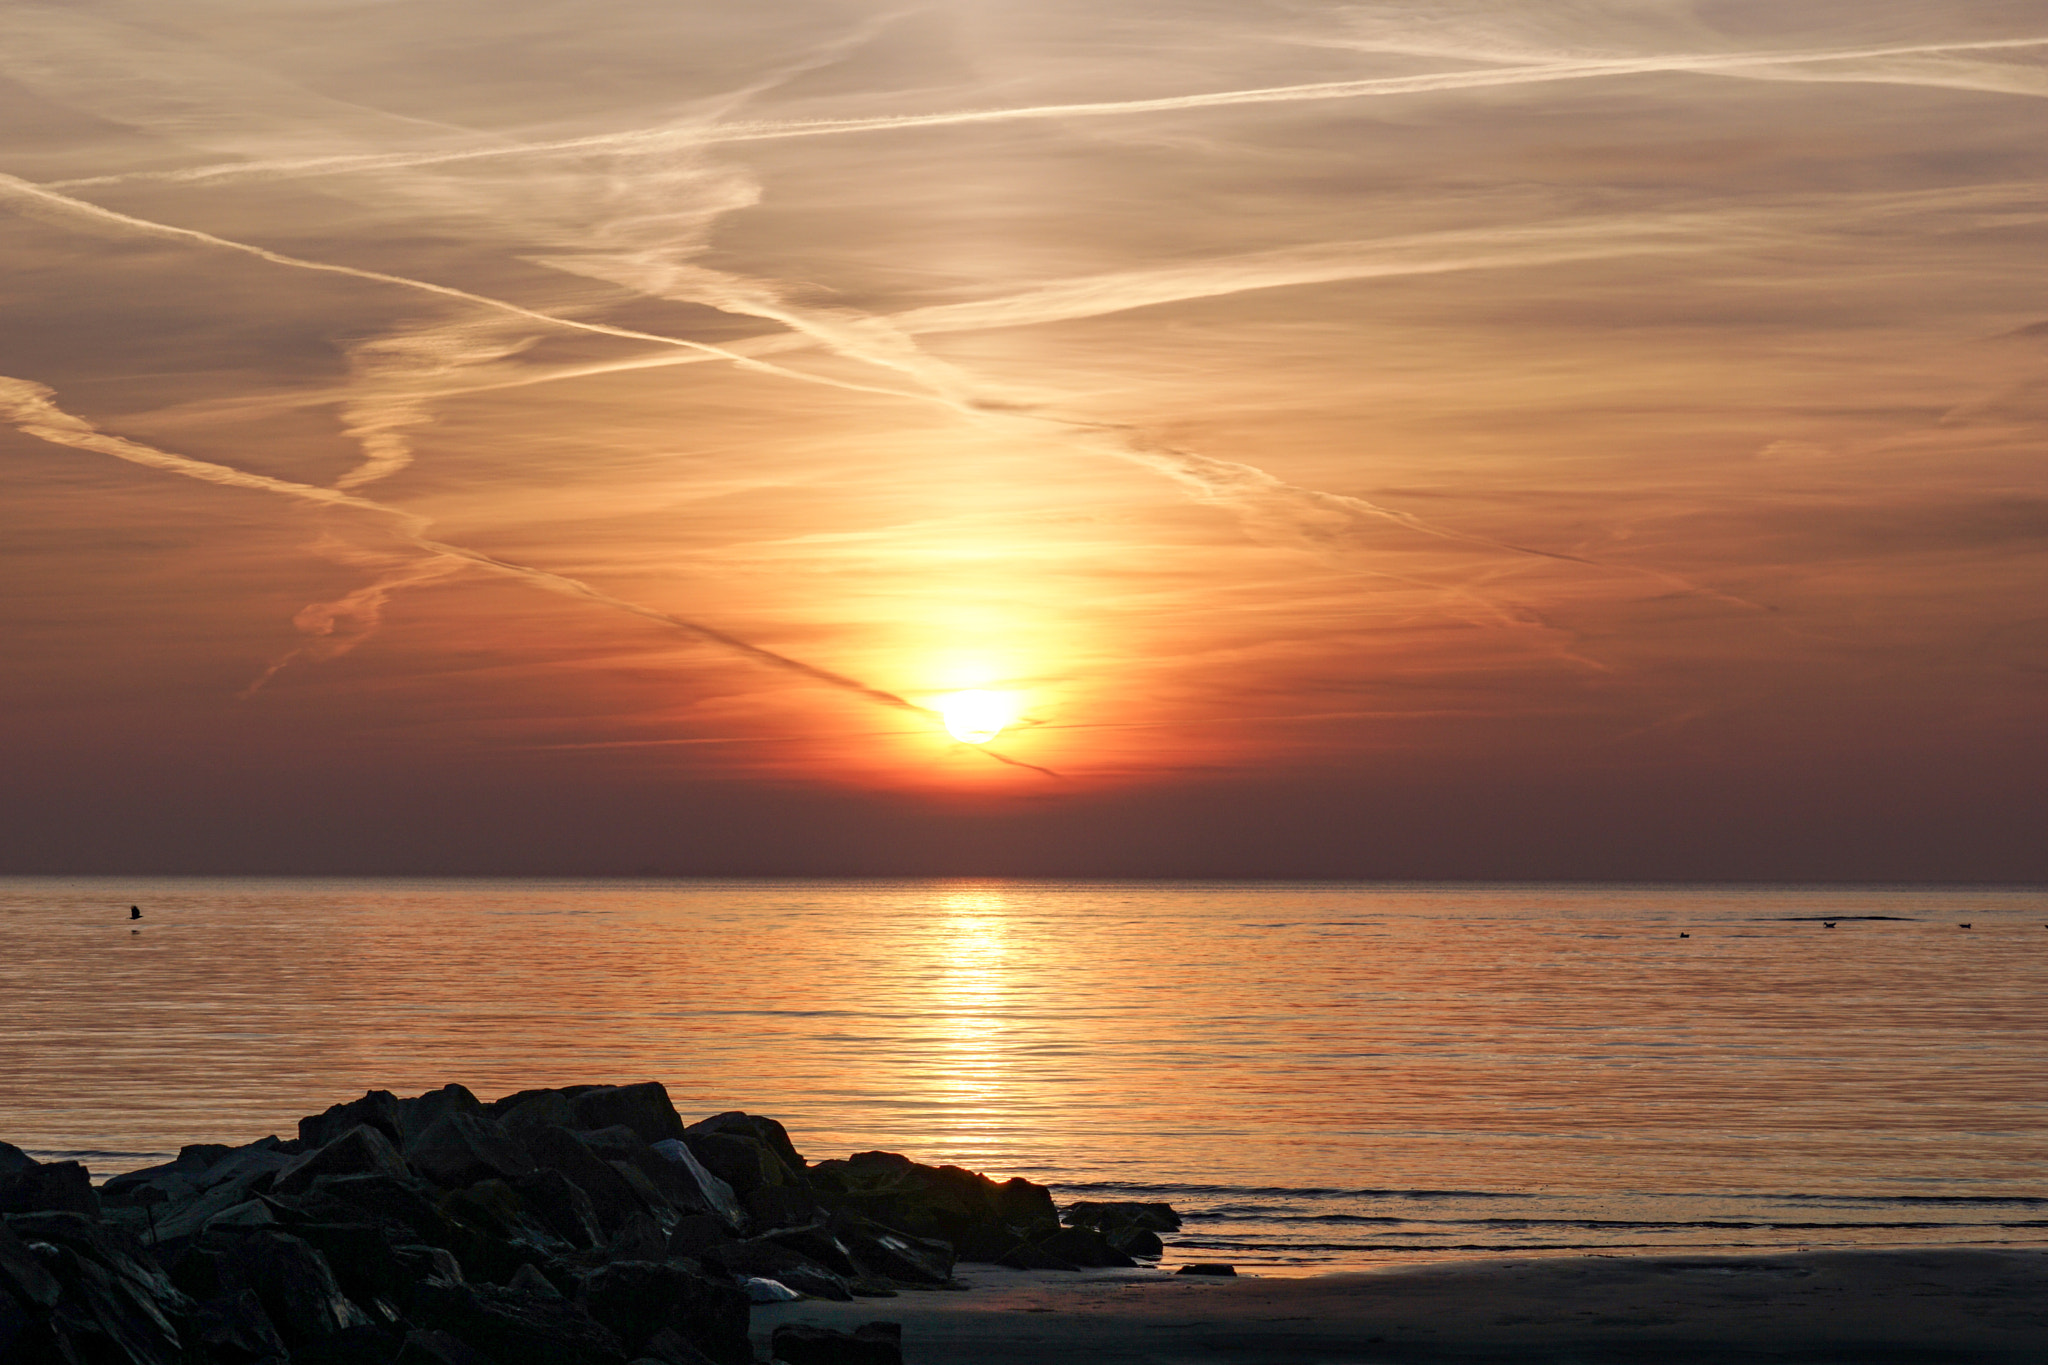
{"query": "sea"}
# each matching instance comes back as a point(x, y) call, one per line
point(1318, 1076)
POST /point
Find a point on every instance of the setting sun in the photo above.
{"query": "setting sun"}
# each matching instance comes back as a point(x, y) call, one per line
point(975, 716)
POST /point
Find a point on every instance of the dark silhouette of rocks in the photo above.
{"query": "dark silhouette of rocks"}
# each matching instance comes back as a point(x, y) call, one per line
point(584, 1225)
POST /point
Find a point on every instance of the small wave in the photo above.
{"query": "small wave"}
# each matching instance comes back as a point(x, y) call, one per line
point(1277, 1191)
point(93, 1154)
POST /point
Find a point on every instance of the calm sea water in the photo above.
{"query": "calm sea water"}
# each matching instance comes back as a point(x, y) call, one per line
point(1323, 1076)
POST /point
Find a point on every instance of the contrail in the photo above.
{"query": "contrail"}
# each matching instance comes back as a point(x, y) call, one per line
point(30, 408)
point(1308, 513)
point(1706, 63)
point(39, 201)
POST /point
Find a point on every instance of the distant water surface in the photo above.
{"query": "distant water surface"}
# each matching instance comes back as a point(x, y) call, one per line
point(1323, 1075)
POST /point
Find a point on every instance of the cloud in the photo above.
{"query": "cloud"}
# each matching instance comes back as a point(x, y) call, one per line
point(31, 408)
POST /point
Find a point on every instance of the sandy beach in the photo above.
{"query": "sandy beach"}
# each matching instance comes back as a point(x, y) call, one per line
point(1929, 1307)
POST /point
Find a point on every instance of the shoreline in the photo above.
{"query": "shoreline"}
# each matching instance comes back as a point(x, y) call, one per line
point(1939, 1306)
point(590, 1225)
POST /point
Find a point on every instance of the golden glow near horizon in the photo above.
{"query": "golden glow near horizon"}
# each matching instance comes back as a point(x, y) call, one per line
point(976, 715)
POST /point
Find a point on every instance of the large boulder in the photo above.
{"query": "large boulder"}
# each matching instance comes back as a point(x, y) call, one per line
point(925, 1262)
point(115, 1302)
point(773, 1260)
point(612, 1195)
point(982, 1218)
point(743, 1162)
point(763, 1130)
point(640, 1299)
point(378, 1109)
point(562, 1205)
point(57, 1186)
point(511, 1327)
point(233, 1327)
point(361, 1150)
point(704, 1191)
point(13, 1159)
point(1111, 1216)
point(644, 1107)
point(460, 1148)
point(295, 1284)
point(403, 1208)
point(23, 1277)
point(422, 1112)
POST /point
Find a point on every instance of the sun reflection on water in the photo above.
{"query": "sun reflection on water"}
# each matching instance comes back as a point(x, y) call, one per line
point(971, 1015)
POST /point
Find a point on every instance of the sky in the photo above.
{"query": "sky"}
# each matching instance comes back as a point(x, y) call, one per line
point(1444, 439)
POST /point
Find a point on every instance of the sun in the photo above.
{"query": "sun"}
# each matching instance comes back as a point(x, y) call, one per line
point(975, 716)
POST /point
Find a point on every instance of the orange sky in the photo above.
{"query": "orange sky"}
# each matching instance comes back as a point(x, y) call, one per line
point(1458, 438)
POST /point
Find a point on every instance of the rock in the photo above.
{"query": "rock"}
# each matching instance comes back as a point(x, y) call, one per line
point(639, 1239)
point(983, 1219)
point(532, 1109)
point(119, 1252)
point(115, 1303)
point(427, 1347)
point(355, 1346)
point(772, 1260)
point(1085, 1247)
point(495, 1209)
point(505, 1104)
point(1207, 1268)
point(649, 1194)
point(763, 1130)
point(612, 1196)
point(694, 1232)
point(250, 1213)
point(13, 1160)
point(897, 1256)
point(509, 1327)
point(360, 1254)
point(529, 1280)
point(23, 1277)
point(761, 1289)
point(645, 1108)
point(55, 1186)
point(712, 1194)
point(620, 1145)
point(420, 1113)
point(425, 1265)
point(1138, 1242)
point(1108, 1217)
point(639, 1299)
point(1032, 1256)
point(565, 1207)
point(876, 1343)
point(396, 1205)
point(459, 1149)
point(361, 1150)
point(740, 1160)
point(377, 1109)
point(234, 1327)
point(99, 1317)
point(818, 1246)
point(296, 1285)
point(780, 1206)
point(252, 1168)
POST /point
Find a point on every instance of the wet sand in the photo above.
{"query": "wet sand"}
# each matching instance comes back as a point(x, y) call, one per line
point(1933, 1307)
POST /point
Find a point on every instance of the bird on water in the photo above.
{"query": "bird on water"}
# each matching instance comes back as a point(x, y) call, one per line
point(134, 912)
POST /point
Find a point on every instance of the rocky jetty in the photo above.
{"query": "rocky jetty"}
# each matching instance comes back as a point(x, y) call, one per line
point(585, 1225)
